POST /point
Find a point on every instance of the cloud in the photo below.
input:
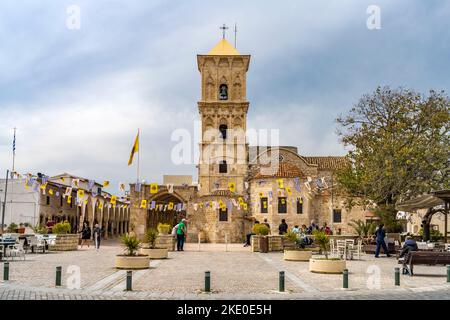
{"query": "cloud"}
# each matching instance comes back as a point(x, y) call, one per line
point(78, 97)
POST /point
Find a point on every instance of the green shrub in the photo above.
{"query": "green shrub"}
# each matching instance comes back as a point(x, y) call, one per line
point(164, 228)
point(323, 240)
point(62, 228)
point(261, 229)
point(435, 235)
point(131, 244)
point(12, 227)
point(40, 228)
point(151, 236)
point(291, 236)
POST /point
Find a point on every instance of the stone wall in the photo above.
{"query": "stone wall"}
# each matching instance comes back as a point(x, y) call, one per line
point(65, 242)
point(165, 241)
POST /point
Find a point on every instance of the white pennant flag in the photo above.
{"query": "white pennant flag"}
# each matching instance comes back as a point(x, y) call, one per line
point(170, 187)
point(68, 192)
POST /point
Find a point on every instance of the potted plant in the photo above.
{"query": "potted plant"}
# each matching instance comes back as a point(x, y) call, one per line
point(260, 242)
point(131, 259)
point(21, 228)
point(12, 228)
point(363, 229)
point(64, 241)
point(299, 252)
point(150, 249)
point(325, 265)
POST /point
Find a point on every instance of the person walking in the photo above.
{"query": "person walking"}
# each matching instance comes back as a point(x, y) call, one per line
point(249, 235)
point(85, 235)
point(181, 234)
point(97, 234)
point(380, 234)
point(283, 227)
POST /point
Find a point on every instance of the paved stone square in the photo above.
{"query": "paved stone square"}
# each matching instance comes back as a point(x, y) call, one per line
point(236, 273)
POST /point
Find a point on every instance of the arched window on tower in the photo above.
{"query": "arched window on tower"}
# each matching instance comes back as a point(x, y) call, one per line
point(223, 131)
point(223, 92)
point(223, 168)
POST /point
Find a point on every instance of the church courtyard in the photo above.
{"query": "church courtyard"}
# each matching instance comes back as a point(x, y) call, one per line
point(236, 274)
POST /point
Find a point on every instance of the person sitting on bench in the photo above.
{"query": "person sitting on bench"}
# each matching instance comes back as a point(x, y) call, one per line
point(409, 245)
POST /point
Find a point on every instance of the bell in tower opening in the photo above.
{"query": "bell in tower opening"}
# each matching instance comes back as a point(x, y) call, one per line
point(223, 92)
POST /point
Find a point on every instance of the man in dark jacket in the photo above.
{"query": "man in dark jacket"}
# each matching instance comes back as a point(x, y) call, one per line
point(283, 227)
point(380, 234)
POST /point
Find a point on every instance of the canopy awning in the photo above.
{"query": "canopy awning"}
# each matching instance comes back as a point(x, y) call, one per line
point(425, 201)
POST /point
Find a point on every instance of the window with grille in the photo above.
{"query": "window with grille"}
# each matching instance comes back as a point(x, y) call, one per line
point(299, 205)
point(282, 205)
point(337, 215)
point(264, 205)
point(223, 168)
point(223, 214)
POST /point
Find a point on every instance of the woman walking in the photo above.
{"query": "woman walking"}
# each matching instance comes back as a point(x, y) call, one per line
point(97, 234)
point(85, 235)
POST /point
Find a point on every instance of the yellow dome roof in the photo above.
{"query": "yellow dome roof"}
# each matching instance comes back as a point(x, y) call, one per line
point(223, 48)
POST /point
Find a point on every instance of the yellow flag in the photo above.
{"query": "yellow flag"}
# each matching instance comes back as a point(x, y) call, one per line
point(113, 199)
point(50, 192)
point(232, 186)
point(245, 206)
point(280, 183)
point(154, 188)
point(85, 202)
point(105, 183)
point(69, 199)
point(43, 186)
point(241, 201)
point(134, 149)
point(144, 204)
point(261, 195)
point(100, 205)
point(288, 190)
point(80, 193)
point(170, 206)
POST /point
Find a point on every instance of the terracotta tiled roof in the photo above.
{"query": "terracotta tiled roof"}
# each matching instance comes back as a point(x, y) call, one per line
point(327, 163)
point(285, 170)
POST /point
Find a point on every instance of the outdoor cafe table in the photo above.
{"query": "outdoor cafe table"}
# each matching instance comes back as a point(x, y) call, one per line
point(6, 243)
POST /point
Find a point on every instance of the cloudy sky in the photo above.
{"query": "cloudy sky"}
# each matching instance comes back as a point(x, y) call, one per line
point(77, 96)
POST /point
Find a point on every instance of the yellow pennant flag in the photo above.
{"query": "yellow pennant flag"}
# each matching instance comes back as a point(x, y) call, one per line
point(85, 202)
point(289, 191)
point(245, 206)
point(134, 149)
point(113, 199)
point(170, 206)
point(232, 186)
point(50, 192)
point(43, 186)
point(261, 195)
point(100, 205)
point(144, 204)
point(154, 188)
point(241, 201)
point(280, 183)
point(69, 199)
point(80, 193)
point(105, 183)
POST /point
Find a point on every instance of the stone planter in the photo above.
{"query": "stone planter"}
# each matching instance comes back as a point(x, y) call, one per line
point(132, 262)
point(326, 266)
point(297, 255)
point(65, 242)
point(156, 253)
point(255, 243)
point(165, 241)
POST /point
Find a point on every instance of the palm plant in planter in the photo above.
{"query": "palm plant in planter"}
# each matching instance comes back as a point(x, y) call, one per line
point(150, 248)
point(299, 252)
point(363, 229)
point(325, 265)
point(131, 259)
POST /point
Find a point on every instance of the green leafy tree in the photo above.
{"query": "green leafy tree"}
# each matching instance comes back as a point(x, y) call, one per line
point(131, 244)
point(399, 148)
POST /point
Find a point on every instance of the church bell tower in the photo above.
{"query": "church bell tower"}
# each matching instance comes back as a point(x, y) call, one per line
point(223, 111)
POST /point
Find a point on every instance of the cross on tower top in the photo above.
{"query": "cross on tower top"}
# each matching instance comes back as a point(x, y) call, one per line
point(224, 28)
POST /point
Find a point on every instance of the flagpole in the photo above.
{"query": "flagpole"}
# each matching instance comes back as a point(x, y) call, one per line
point(139, 155)
point(14, 151)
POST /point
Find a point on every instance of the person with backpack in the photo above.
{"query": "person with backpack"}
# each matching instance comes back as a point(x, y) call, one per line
point(181, 234)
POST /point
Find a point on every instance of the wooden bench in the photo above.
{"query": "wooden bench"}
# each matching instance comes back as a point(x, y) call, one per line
point(424, 258)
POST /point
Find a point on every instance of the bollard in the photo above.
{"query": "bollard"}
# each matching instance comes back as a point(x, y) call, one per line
point(397, 276)
point(448, 273)
point(281, 282)
point(345, 279)
point(207, 281)
point(58, 276)
point(129, 281)
point(6, 271)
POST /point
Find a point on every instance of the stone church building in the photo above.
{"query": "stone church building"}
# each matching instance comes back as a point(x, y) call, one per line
point(237, 183)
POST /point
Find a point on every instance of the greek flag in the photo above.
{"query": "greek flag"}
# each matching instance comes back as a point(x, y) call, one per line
point(14, 143)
